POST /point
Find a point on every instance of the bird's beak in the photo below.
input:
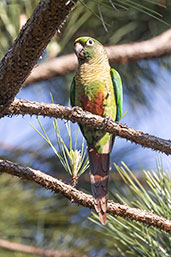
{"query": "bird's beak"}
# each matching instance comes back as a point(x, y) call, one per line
point(79, 50)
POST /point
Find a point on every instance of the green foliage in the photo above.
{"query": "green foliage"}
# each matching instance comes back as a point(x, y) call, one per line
point(113, 16)
point(120, 21)
point(130, 238)
point(34, 216)
point(73, 160)
point(52, 224)
point(10, 18)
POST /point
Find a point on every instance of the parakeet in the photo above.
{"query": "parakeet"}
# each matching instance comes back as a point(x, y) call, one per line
point(97, 88)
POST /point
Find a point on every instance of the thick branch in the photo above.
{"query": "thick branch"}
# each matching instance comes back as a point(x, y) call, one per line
point(76, 114)
point(81, 198)
point(16, 247)
point(59, 66)
point(156, 47)
point(153, 48)
point(18, 62)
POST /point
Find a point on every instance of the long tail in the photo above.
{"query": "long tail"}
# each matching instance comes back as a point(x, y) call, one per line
point(99, 165)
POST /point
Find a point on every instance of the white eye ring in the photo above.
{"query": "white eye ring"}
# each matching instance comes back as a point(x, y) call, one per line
point(90, 42)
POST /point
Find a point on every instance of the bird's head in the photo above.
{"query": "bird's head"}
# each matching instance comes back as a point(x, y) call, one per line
point(87, 48)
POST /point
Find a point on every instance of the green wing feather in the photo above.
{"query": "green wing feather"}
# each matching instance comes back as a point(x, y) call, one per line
point(73, 103)
point(117, 84)
point(72, 93)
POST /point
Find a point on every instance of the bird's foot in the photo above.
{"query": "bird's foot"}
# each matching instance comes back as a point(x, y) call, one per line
point(107, 120)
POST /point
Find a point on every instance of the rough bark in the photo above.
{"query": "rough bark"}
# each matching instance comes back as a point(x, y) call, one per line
point(76, 114)
point(153, 48)
point(16, 247)
point(81, 198)
point(33, 38)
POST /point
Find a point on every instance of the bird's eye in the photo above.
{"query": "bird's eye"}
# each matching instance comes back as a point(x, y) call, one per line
point(90, 42)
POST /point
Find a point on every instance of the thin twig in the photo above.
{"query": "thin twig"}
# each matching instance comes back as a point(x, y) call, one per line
point(76, 114)
point(153, 48)
point(22, 248)
point(81, 198)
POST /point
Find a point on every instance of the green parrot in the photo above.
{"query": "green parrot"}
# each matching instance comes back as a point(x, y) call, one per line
point(97, 88)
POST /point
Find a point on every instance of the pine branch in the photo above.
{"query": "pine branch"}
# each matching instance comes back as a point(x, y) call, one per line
point(81, 198)
point(16, 247)
point(76, 114)
point(153, 48)
point(18, 62)
point(156, 47)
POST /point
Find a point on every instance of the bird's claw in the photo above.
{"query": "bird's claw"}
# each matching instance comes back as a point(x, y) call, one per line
point(107, 120)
